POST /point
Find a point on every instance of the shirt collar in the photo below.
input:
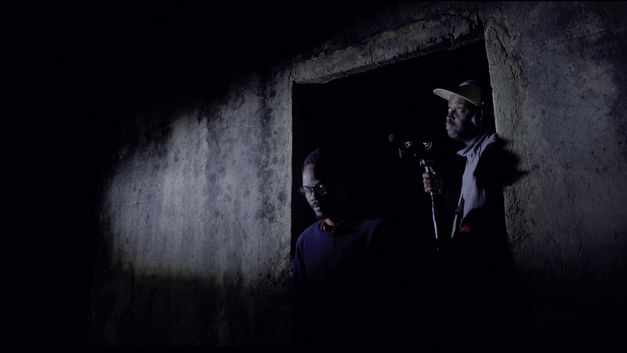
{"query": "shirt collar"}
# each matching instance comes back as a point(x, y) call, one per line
point(471, 150)
point(339, 227)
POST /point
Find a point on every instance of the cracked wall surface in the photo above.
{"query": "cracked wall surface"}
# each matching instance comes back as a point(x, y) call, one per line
point(196, 211)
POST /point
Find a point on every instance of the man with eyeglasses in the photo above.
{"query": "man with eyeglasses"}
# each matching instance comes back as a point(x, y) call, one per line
point(335, 268)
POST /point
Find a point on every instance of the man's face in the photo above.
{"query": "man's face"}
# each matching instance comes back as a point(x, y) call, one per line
point(459, 125)
point(318, 203)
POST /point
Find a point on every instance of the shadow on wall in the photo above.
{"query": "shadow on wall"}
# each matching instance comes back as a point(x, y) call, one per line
point(508, 172)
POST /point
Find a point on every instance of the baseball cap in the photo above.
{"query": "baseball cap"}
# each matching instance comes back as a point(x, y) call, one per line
point(468, 90)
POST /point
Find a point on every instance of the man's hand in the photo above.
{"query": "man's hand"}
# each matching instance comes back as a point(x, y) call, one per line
point(432, 183)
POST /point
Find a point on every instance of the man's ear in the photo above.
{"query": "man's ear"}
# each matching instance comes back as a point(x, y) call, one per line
point(477, 117)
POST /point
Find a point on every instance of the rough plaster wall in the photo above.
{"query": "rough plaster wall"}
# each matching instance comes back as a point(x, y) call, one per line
point(194, 219)
point(558, 73)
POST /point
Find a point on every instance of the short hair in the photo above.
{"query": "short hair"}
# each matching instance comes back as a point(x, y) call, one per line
point(328, 165)
point(313, 157)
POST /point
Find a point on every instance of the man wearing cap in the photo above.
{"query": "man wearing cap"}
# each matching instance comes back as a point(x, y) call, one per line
point(477, 268)
point(481, 195)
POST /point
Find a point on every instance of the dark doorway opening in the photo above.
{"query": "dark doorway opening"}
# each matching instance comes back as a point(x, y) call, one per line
point(354, 116)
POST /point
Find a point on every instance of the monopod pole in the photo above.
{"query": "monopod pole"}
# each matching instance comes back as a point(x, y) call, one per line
point(427, 165)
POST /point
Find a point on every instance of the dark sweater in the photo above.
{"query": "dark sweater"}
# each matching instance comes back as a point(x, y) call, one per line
point(333, 273)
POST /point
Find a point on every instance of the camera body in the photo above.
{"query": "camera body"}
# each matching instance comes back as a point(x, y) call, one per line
point(414, 148)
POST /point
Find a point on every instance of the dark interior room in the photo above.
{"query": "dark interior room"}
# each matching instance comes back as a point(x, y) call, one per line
point(156, 155)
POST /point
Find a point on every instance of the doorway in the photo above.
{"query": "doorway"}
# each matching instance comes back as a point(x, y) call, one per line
point(355, 115)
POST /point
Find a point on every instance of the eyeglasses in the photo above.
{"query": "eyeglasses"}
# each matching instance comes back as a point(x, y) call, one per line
point(319, 189)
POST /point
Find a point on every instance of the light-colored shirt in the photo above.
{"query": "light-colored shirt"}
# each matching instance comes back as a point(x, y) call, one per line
point(471, 196)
